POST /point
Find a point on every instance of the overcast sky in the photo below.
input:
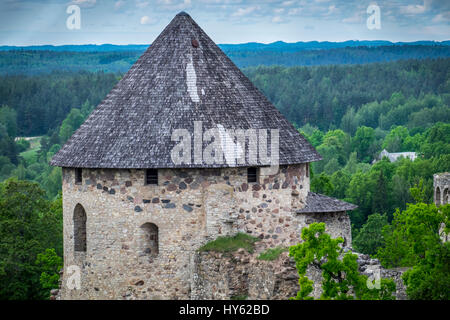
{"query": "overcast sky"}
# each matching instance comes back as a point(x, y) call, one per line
point(34, 22)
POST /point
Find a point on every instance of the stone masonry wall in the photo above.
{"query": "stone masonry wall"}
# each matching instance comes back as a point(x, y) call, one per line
point(187, 208)
point(241, 274)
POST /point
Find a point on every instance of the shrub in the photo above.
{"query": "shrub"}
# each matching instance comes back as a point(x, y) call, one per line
point(231, 243)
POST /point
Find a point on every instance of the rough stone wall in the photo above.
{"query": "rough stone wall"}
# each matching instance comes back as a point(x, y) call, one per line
point(189, 208)
point(219, 276)
point(441, 183)
point(222, 277)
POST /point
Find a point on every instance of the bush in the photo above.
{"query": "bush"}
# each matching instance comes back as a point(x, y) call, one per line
point(272, 253)
point(341, 277)
point(231, 243)
point(22, 145)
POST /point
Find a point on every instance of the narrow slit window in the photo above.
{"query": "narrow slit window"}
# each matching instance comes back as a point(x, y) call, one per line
point(252, 175)
point(307, 170)
point(79, 228)
point(78, 175)
point(151, 176)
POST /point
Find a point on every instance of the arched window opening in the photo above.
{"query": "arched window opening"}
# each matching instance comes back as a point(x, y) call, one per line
point(149, 239)
point(445, 197)
point(79, 228)
point(438, 196)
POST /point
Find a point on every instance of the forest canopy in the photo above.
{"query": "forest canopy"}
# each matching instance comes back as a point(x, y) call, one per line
point(349, 112)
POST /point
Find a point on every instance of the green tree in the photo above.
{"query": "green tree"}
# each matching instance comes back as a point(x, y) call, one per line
point(360, 192)
point(8, 117)
point(349, 122)
point(73, 120)
point(29, 224)
point(332, 166)
point(380, 199)
point(22, 145)
point(395, 139)
point(370, 237)
point(411, 232)
point(437, 141)
point(340, 180)
point(322, 184)
point(363, 143)
point(50, 264)
point(415, 239)
point(341, 278)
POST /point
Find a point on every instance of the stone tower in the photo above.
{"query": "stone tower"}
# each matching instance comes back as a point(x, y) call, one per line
point(441, 184)
point(177, 154)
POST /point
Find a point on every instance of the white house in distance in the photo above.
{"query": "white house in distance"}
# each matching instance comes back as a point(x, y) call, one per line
point(395, 156)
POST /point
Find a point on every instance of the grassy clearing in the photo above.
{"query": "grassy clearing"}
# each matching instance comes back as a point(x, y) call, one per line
point(230, 244)
point(272, 253)
point(29, 155)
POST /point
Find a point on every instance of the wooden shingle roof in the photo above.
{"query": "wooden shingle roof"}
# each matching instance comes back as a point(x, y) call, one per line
point(316, 202)
point(181, 78)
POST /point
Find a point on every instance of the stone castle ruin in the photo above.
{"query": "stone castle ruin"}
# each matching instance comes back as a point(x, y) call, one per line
point(134, 218)
point(441, 184)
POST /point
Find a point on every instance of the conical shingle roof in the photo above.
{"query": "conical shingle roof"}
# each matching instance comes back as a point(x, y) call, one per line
point(181, 78)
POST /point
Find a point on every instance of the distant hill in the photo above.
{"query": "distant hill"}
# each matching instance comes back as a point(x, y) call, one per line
point(250, 46)
point(116, 58)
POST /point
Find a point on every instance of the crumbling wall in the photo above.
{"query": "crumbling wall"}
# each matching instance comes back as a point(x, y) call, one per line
point(241, 274)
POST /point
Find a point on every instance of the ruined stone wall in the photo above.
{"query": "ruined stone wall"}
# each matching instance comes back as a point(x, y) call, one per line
point(441, 183)
point(189, 208)
point(241, 274)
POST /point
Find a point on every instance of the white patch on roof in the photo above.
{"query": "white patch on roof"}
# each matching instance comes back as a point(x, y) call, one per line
point(231, 150)
point(191, 81)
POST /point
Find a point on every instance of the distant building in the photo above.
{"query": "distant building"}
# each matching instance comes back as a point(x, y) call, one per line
point(395, 155)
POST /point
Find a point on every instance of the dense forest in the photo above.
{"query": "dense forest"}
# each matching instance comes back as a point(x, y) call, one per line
point(323, 95)
point(349, 112)
point(246, 55)
point(43, 101)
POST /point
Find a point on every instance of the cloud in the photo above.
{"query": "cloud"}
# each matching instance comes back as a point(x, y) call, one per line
point(287, 3)
point(294, 11)
point(279, 10)
point(413, 9)
point(220, 1)
point(244, 11)
point(331, 10)
point(175, 5)
point(119, 4)
point(147, 20)
point(84, 3)
point(357, 17)
point(441, 17)
point(277, 19)
point(142, 4)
